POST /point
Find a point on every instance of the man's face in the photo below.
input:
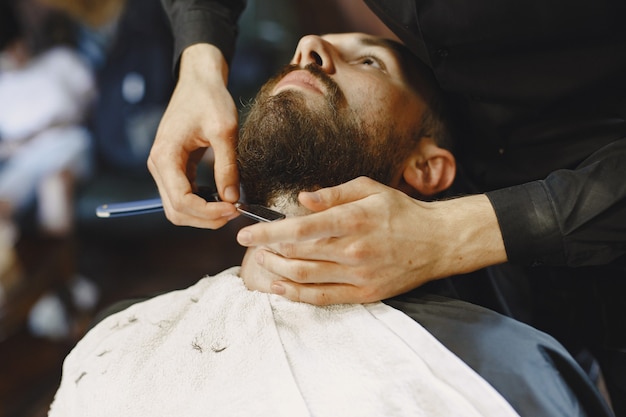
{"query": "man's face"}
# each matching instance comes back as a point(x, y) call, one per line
point(341, 110)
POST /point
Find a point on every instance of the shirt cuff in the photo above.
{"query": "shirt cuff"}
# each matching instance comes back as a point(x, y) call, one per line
point(528, 224)
point(202, 27)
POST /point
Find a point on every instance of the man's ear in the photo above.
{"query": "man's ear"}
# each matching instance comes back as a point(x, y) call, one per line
point(430, 169)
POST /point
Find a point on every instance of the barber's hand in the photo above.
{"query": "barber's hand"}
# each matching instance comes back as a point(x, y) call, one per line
point(201, 113)
point(367, 242)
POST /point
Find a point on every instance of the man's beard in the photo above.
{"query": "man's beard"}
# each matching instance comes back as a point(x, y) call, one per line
point(288, 145)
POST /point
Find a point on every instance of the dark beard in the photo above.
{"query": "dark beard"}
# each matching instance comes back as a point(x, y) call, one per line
point(285, 146)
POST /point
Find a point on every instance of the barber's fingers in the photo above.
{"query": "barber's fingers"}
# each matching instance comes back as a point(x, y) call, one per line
point(350, 191)
point(335, 215)
point(300, 270)
point(181, 205)
point(357, 267)
point(320, 294)
point(348, 244)
point(200, 213)
point(188, 209)
point(335, 222)
point(292, 229)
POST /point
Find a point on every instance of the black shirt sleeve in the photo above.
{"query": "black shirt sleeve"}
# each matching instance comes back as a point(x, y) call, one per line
point(204, 21)
point(572, 217)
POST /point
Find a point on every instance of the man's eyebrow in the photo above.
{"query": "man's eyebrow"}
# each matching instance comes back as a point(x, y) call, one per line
point(388, 44)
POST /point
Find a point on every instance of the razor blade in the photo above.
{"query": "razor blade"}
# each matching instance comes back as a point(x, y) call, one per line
point(133, 208)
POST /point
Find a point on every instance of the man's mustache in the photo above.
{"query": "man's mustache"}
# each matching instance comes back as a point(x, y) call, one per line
point(333, 90)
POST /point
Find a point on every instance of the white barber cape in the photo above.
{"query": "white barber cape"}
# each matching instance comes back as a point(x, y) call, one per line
point(217, 349)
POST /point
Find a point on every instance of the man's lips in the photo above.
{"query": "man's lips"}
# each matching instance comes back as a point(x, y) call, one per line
point(299, 78)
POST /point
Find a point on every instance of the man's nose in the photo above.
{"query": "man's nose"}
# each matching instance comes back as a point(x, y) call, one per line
point(314, 50)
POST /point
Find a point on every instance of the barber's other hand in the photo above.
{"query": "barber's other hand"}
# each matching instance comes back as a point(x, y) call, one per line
point(367, 242)
point(201, 113)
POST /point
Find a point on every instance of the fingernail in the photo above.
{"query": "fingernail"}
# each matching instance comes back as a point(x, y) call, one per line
point(230, 193)
point(244, 237)
point(277, 289)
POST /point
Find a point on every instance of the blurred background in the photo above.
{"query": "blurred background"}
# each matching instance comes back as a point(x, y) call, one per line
point(83, 84)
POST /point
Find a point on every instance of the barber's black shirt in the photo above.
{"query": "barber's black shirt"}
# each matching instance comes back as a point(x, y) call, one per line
point(538, 90)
